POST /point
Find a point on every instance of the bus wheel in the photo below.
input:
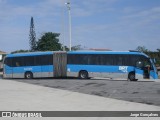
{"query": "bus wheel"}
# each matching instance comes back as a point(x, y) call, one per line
point(131, 77)
point(28, 75)
point(83, 75)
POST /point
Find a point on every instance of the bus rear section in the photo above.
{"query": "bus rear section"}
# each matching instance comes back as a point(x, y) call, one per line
point(35, 65)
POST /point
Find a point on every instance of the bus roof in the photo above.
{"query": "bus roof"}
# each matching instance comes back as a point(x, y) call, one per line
point(108, 52)
point(29, 54)
point(77, 52)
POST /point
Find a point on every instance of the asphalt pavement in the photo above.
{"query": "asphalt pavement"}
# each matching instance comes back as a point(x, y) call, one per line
point(18, 95)
point(142, 91)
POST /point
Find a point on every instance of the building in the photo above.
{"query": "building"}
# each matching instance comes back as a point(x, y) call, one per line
point(2, 54)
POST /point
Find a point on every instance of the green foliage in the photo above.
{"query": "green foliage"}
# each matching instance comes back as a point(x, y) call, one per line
point(49, 42)
point(20, 51)
point(142, 49)
point(77, 47)
point(155, 55)
point(65, 48)
point(151, 54)
point(74, 48)
point(158, 50)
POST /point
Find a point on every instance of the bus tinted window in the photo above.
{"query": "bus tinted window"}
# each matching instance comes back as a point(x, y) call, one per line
point(29, 61)
point(8, 62)
point(45, 59)
point(17, 61)
point(103, 59)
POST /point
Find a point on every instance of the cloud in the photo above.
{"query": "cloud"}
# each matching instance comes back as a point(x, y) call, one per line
point(41, 8)
point(91, 7)
point(95, 23)
point(2, 1)
point(15, 19)
point(145, 13)
point(142, 19)
point(131, 29)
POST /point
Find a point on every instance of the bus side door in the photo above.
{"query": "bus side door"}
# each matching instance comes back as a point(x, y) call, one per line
point(138, 73)
point(139, 70)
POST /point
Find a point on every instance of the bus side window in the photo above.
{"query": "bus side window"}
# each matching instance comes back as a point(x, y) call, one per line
point(17, 64)
point(8, 62)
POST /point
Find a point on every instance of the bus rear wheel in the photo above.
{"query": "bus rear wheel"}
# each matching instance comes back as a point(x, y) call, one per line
point(28, 75)
point(83, 74)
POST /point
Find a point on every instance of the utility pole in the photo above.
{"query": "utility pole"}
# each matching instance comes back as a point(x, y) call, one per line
point(63, 28)
point(70, 30)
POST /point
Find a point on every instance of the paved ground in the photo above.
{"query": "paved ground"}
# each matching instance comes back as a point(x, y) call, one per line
point(147, 92)
point(19, 96)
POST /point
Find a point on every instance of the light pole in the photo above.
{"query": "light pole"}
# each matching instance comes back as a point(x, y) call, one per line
point(70, 30)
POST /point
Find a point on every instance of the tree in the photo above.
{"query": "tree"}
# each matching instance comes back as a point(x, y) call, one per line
point(74, 48)
point(142, 49)
point(20, 51)
point(32, 36)
point(77, 47)
point(151, 54)
point(49, 42)
point(158, 50)
point(65, 48)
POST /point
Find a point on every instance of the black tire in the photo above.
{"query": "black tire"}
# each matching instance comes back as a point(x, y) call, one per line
point(132, 77)
point(28, 75)
point(83, 75)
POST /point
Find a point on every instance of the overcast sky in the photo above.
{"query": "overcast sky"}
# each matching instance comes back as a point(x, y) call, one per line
point(110, 24)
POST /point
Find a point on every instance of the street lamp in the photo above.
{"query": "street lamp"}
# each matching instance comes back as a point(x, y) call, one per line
point(70, 31)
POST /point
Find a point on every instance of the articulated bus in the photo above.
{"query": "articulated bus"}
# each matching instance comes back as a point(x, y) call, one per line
point(129, 65)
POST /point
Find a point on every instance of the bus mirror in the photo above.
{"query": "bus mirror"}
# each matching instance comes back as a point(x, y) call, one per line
point(154, 60)
point(139, 64)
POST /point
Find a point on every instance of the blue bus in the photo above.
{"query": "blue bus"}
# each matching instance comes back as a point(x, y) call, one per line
point(129, 65)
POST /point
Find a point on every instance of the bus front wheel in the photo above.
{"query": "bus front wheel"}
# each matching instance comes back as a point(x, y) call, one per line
point(83, 75)
point(132, 77)
point(28, 75)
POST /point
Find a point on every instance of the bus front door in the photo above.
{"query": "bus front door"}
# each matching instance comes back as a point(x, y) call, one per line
point(139, 73)
point(142, 69)
point(146, 74)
